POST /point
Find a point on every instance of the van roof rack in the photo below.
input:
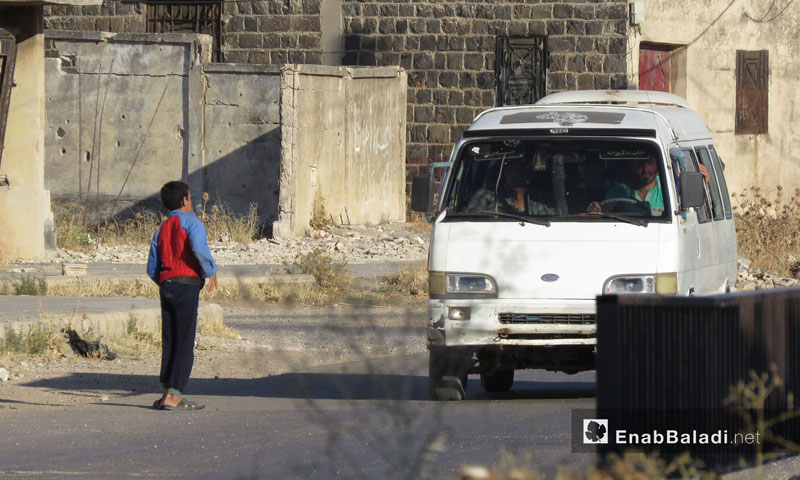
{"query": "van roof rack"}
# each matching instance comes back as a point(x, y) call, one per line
point(613, 96)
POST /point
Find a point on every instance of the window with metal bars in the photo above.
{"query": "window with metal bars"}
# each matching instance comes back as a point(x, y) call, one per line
point(752, 91)
point(521, 69)
point(187, 16)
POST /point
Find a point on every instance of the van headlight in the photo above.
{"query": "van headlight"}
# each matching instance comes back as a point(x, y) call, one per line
point(661, 283)
point(463, 285)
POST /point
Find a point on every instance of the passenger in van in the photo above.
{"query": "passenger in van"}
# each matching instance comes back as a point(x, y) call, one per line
point(511, 193)
point(593, 184)
point(642, 185)
point(679, 161)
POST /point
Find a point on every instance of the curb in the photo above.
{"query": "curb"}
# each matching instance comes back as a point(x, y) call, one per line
point(111, 324)
point(289, 278)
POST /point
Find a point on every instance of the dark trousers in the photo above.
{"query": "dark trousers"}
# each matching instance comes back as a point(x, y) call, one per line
point(178, 328)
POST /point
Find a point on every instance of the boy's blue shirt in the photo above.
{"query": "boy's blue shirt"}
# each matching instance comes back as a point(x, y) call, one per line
point(198, 240)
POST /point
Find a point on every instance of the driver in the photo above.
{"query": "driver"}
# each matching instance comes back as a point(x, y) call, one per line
point(643, 185)
point(511, 194)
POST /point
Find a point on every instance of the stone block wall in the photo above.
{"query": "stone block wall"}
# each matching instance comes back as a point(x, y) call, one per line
point(270, 32)
point(448, 49)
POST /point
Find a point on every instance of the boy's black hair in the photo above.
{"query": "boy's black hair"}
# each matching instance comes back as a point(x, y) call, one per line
point(173, 193)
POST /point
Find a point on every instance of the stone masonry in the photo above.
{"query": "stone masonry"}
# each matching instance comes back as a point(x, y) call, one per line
point(448, 48)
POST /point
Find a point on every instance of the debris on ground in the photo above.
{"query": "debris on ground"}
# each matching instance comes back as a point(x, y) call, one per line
point(751, 278)
point(69, 343)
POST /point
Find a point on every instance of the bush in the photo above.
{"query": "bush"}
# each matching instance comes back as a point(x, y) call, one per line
point(33, 342)
point(330, 275)
point(767, 229)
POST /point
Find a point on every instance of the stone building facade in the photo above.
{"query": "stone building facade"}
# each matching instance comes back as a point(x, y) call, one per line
point(458, 54)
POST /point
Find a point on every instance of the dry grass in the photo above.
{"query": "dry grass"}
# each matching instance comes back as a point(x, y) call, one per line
point(334, 284)
point(411, 280)
point(222, 222)
point(72, 231)
point(267, 292)
point(137, 230)
point(137, 343)
point(30, 285)
point(216, 327)
point(332, 276)
point(75, 232)
point(319, 214)
point(767, 228)
point(32, 342)
point(106, 288)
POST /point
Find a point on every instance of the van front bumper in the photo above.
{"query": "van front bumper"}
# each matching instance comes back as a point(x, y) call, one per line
point(485, 322)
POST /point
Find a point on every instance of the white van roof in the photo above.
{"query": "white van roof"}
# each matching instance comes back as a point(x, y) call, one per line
point(614, 96)
point(631, 111)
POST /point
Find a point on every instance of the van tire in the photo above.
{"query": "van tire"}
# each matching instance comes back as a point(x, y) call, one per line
point(447, 375)
point(498, 381)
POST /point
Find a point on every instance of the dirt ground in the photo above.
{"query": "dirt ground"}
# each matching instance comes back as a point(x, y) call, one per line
point(54, 381)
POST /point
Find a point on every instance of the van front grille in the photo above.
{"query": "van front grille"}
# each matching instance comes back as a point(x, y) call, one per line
point(548, 336)
point(548, 318)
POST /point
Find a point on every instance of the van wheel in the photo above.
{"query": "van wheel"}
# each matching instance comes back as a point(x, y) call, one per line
point(447, 375)
point(499, 381)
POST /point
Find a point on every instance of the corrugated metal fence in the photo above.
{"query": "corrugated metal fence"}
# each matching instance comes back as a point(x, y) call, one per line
point(669, 363)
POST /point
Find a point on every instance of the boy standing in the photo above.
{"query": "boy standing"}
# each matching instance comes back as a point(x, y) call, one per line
point(179, 261)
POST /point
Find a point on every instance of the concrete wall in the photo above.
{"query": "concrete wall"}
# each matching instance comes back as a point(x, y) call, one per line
point(128, 112)
point(24, 203)
point(123, 116)
point(242, 141)
point(712, 31)
point(342, 145)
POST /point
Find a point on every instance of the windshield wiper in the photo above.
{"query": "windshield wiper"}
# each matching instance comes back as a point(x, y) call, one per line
point(641, 222)
point(523, 219)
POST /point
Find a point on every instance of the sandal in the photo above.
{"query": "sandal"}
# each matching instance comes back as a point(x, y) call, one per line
point(157, 405)
point(184, 405)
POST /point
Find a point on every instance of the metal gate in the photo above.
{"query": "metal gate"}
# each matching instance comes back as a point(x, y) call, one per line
point(521, 69)
point(8, 51)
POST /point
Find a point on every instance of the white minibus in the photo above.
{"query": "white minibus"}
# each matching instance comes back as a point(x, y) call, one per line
point(544, 207)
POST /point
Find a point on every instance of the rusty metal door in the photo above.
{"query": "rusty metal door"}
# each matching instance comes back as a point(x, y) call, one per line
point(752, 89)
point(521, 70)
point(8, 51)
point(653, 68)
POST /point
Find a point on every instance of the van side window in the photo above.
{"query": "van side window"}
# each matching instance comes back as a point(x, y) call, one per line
point(713, 186)
point(704, 212)
point(719, 167)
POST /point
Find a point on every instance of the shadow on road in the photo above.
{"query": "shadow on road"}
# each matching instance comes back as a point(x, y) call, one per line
point(317, 386)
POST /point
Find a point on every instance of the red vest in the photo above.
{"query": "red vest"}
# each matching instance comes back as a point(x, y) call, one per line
point(175, 253)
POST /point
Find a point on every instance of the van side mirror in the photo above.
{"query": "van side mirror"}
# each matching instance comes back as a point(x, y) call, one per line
point(692, 189)
point(421, 198)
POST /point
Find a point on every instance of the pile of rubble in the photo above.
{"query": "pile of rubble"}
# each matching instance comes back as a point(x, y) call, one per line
point(758, 279)
point(351, 243)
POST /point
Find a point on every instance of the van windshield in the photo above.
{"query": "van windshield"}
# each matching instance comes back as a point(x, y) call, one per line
point(562, 181)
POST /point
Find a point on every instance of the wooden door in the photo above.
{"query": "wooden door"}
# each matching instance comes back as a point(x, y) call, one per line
point(653, 69)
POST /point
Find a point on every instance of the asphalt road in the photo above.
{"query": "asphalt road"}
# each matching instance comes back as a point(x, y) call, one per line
point(364, 419)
